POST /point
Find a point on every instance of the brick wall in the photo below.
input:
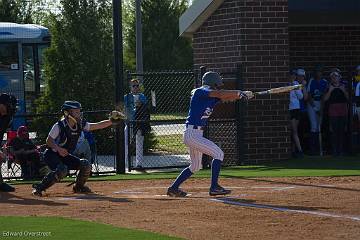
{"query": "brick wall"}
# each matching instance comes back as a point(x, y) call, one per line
point(253, 33)
point(336, 46)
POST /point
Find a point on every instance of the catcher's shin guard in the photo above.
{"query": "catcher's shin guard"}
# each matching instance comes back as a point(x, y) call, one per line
point(50, 179)
point(84, 173)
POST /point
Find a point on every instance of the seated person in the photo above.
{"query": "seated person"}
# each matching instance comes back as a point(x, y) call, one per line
point(26, 154)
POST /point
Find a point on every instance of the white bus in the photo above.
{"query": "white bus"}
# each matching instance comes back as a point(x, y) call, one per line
point(21, 63)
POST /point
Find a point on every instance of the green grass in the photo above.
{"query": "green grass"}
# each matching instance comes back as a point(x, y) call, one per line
point(307, 167)
point(62, 228)
point(171, 144)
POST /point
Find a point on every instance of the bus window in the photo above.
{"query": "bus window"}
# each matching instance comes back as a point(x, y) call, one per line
point(9, 57)
point(41, 49)
point(28, 61)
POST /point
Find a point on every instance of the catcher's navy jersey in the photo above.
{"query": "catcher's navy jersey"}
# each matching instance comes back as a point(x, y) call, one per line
point(201, 106)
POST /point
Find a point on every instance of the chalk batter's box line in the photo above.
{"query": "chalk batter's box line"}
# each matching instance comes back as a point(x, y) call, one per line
point(231, 201)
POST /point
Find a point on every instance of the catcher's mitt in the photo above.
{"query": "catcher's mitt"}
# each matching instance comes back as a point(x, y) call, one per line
point(116, 117)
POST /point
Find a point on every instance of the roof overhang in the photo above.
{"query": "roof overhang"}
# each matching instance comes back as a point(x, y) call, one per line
point(196, 15)
point(301, 12)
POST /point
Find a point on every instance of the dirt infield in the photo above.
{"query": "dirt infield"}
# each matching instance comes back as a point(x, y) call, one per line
point(258, 208)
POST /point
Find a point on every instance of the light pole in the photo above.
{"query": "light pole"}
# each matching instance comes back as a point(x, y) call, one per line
point(139, 49)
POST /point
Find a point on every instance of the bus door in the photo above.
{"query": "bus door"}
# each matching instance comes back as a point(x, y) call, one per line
point(33, 73)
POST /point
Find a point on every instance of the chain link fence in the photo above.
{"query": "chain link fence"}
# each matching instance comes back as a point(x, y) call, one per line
point(168, 95)
point(168, 98)
point(98, 147)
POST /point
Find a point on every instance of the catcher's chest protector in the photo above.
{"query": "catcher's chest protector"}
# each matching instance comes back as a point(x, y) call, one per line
point(69, 137)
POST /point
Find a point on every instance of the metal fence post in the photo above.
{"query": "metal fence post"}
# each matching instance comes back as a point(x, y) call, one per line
point(202, 72)
point(119, 83)
point(239, 118)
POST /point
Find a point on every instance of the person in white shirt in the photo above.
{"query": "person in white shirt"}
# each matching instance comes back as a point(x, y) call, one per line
point(295, 114)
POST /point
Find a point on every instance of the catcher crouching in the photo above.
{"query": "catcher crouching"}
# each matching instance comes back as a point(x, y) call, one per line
point(61, 142)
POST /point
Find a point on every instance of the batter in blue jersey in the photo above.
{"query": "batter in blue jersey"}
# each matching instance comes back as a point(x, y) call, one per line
point(201, 106)
point(202, 103)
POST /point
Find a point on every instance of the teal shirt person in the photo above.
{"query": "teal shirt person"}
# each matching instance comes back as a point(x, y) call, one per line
point(130, 106)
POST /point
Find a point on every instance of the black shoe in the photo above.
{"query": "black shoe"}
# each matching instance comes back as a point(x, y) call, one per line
point(218, 190)
point(82, 189)
point(4, 187)
point(36, 190)
point(172, 192)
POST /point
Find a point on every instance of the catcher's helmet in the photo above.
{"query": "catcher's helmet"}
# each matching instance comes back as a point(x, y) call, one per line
point(67, 105)
point(9, 101)
point(212, 79)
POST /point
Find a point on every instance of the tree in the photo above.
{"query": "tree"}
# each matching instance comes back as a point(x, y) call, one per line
point(16, 11)
point(162, 46)
point(79, 61)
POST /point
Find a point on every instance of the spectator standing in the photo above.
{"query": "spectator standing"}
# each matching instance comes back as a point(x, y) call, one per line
point(316, 89)
point(137, 120)
point(337, 97)
point(356, 88)
point(295, 115)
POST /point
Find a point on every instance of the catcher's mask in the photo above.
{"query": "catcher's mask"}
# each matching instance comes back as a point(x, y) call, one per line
point(10, 102)
point(212, 79)
point(67, 108)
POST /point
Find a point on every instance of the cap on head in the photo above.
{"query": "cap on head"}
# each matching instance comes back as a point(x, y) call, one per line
point(23, 132)
point(67, 105)
point(9, 101)
point(212, 79)
point(301, 72)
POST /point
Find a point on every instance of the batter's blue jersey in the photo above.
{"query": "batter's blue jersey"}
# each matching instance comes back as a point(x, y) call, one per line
point(201, 106)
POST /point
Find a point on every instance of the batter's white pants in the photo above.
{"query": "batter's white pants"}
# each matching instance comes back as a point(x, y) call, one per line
point(139, 139)
point(198, 145)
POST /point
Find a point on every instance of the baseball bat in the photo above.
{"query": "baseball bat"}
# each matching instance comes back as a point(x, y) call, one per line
point(280, 90)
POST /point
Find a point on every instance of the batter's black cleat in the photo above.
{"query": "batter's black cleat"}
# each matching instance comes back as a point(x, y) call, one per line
point(4, 187)
point(172, 192)
point(82, 189)
point(36, 190)
point(219, 190)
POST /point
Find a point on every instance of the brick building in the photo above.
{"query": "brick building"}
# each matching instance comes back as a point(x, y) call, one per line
point(267, 38)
